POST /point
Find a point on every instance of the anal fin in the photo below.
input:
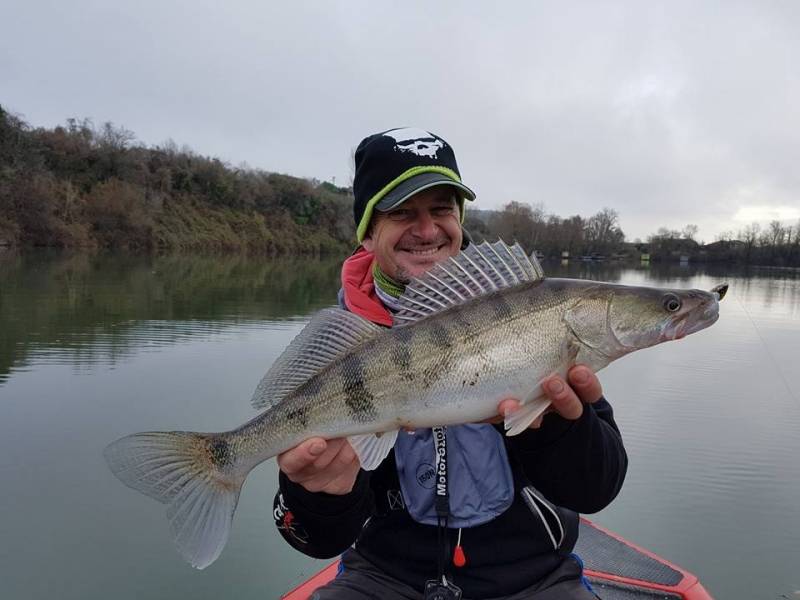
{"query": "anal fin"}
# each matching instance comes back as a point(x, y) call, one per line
point(518, 421)
point(372, 448)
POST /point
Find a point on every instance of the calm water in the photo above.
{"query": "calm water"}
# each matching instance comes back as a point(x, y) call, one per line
point(95, 348)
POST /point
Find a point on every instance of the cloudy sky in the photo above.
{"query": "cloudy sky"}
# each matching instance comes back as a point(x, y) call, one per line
point(669, 112)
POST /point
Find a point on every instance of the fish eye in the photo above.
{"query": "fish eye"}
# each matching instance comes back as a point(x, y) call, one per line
point(672, 303)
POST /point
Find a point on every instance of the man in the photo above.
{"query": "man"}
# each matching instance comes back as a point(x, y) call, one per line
point(511, 515)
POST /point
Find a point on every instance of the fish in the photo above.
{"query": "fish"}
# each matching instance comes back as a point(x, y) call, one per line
point(477, 328)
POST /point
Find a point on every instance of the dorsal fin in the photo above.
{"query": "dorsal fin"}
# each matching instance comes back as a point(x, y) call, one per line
point(478, 270)
point(331, 333)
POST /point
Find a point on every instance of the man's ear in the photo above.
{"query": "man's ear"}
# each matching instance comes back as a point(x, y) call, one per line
point(368, 244)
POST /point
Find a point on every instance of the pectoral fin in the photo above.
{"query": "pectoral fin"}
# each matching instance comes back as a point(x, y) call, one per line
point(372, 448)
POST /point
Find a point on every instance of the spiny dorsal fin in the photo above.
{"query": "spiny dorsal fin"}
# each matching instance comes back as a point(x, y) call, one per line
point(476, 271)
point(331, 333)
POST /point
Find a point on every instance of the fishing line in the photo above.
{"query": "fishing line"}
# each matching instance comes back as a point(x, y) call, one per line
point(769, 353)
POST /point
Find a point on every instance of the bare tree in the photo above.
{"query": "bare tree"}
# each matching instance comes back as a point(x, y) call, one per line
point(776, 233)
point(750, 236)
point(516, 223)
point(603, 231)
point(114, 138)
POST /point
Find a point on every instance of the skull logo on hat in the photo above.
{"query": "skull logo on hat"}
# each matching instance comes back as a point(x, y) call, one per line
point(416, 141)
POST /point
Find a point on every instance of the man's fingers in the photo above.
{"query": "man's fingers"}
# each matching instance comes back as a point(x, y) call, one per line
point(346, 458)
point(585, 383)
point(321, 466)
point(506, 407)
point(332, 451)
point(564, 399)
point(301, 456)
point(337, 476)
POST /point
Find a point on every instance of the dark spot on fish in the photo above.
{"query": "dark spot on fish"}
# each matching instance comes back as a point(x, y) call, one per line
point(441, 337)
point(401, 354)
point(551, 286)
point(443, 341)
point(220, 452)
point(311, 388)
point(457, 316)
point(299, 417)
point(403, 335)
point(466, 331)
point(401, 351)
point(358, 399)
point(430, 376)
point(501, 308)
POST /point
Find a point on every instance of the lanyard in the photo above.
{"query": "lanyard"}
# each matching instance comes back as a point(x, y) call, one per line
point(442, 502)
point(442, 499)
point(441, 588)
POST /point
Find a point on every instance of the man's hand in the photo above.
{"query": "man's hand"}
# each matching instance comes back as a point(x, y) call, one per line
point(567, 398)
point(321, 466)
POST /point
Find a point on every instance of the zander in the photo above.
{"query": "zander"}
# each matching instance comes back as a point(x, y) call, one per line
point(480, 327)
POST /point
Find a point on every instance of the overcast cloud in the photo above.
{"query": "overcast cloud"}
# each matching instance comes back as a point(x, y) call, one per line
point(671, 113)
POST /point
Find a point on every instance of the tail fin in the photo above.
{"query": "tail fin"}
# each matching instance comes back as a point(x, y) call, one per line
point(191, 472)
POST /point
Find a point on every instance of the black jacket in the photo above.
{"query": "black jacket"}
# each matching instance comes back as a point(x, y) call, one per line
point(572, 466)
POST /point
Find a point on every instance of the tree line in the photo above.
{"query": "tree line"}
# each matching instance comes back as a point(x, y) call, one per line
point(548, 234)
point(82, 186)
point(777, 245)
point(601, 236)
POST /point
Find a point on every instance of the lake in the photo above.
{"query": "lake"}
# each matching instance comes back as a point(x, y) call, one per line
point(96, 347)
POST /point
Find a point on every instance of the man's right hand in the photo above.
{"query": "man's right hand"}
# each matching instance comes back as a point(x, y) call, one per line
point(319, 465)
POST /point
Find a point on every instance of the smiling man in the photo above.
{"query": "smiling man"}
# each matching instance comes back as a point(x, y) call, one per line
point(509, 522)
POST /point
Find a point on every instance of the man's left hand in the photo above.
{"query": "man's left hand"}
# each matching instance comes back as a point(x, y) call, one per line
point(567, 397)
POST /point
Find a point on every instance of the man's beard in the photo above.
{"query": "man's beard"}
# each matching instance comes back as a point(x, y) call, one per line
point(402, 276)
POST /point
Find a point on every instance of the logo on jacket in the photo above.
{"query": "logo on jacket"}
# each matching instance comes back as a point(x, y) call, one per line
point(426, 475)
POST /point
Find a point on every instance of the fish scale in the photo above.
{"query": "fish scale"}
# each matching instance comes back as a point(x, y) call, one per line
point(476, 329)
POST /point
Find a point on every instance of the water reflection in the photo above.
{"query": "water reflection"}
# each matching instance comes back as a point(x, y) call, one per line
point(84, 309)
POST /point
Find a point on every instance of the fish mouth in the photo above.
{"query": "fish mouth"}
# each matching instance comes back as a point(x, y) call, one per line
point(687, 326)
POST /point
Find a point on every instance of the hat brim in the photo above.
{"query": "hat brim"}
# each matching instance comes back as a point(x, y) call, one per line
point(416, 184)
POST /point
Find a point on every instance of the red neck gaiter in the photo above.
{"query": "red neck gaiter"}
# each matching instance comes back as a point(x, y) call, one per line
point(359, 288)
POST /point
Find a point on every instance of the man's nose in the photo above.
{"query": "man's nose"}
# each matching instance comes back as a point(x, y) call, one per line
point(425, 225)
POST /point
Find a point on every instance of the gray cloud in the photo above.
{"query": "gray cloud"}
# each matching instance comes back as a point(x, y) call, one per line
point(671, 113)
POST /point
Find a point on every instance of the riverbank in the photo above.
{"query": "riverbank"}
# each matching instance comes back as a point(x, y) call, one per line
point(79, 186)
